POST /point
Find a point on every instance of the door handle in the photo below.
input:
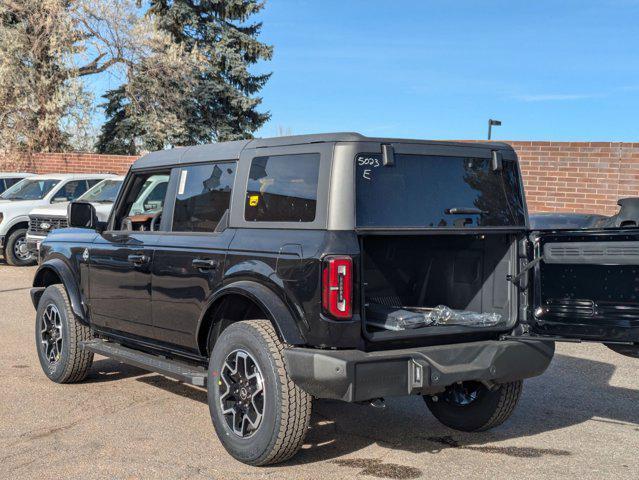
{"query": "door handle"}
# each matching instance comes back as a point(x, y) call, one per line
point(138, 259)
point(204, 264)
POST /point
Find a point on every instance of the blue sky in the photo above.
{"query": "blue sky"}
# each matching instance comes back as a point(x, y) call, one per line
point(550, 70)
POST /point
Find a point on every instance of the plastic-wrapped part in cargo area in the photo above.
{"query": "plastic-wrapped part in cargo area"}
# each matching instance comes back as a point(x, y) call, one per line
point(435, 285)
point(393, 318)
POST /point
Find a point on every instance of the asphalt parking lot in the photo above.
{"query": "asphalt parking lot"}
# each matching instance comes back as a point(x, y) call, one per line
point(579, 420)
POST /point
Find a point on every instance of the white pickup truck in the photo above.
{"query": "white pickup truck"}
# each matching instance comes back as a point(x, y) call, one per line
point(36, 191)
point(9, 179)
point(43, 220)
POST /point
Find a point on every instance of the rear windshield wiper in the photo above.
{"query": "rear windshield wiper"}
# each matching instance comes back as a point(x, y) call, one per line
point(465, 211)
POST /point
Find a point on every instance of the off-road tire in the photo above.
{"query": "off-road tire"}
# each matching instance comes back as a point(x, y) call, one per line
point(10, 255)
point(74, 362)
point(287, 408)
point(489, 410)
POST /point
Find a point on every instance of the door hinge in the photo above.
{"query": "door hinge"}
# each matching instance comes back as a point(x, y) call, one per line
point(516, 279)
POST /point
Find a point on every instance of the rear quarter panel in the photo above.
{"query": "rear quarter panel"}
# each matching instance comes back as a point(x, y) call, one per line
point(289, 263)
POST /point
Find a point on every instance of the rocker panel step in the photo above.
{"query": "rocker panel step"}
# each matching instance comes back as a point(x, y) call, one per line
point(171, 368)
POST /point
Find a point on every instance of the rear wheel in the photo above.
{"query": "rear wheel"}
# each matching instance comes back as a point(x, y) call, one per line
point(58, 335)
point(472, 407)
point(260, 415)
point(16, 252)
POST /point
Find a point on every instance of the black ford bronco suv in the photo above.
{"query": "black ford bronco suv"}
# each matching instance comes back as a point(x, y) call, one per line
point(334, 266)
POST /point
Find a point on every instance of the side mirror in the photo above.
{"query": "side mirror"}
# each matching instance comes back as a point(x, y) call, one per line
point(83, 215)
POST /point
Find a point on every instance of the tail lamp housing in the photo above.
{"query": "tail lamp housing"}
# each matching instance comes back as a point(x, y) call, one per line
point(337, 286)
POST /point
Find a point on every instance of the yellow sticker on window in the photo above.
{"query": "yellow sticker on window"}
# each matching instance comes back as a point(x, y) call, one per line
point(253, 199)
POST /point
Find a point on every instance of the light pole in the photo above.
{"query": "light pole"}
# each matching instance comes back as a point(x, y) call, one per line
point(492, 123)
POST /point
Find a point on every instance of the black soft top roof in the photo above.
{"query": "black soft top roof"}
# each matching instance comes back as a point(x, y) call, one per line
point(232, 150)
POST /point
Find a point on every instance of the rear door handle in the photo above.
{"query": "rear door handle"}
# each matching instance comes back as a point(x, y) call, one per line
point(139, 259)
point(204, 264)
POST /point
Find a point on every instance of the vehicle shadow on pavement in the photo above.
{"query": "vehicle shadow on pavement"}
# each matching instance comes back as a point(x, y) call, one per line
point(108, 370)
point(573, 390)
point(175, 387)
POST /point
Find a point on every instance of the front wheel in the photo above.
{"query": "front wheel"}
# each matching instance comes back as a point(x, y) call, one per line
point(16, 252)
point(58, 335)
point(472, 407)
point(260, 415)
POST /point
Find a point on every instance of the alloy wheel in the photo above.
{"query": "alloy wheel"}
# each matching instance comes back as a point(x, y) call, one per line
point(51, 333)
point(241, 387)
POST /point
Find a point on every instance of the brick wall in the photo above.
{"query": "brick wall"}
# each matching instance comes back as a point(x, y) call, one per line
point(558, 176)
point(68, 163)
point(578, 176)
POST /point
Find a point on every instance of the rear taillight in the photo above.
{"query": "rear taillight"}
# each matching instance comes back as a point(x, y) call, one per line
point(337, 286)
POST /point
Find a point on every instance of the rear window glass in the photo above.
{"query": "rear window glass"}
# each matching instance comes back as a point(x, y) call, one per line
point(437, 191)
point(282, 188)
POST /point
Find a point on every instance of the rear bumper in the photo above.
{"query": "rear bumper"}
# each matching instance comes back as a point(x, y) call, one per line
point(353, 375)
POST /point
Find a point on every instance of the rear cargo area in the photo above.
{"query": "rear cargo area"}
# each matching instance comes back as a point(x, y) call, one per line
point(463, 272)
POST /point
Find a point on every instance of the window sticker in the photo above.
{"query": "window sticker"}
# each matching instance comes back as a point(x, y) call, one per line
point(253, 200)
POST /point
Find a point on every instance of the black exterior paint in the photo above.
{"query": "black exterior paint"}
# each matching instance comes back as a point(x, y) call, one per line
point(144, 290)
point(164, 300)
point(181, 289)
point(119, 289)
point(592, 301)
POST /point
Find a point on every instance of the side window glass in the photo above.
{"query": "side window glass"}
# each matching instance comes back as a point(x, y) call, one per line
point(203, 195)
point(151, 196)
point(70, 191)
point(143, 203)
point(10, 182)
point(282, 188)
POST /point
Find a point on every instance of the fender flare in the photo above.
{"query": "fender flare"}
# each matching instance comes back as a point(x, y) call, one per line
point(64, 273)
point(274, 307)
point(11, 225)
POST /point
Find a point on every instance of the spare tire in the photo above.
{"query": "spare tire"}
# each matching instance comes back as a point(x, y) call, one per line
point(472, 407)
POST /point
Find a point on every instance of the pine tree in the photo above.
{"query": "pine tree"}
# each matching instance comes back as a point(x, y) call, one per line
point(195, 86)
point(118, 126)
